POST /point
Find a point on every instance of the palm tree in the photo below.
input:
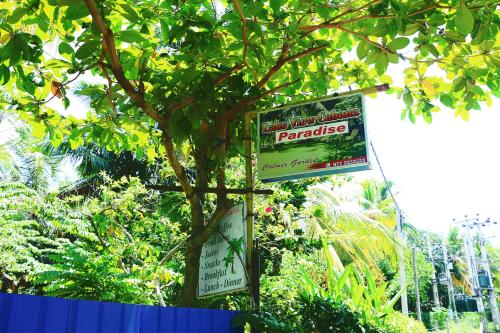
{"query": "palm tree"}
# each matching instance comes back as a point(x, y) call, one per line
point(377, 203)
point(23, 159)
point(354, 235)
point(460, 276)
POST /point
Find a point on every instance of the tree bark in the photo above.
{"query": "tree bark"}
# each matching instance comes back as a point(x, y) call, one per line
point(191, 272)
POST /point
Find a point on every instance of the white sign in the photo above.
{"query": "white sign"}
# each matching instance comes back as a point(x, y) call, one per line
point(312, 132)
point(222, 261)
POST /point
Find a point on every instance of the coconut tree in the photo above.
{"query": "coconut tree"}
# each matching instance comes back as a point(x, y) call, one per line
point(23, 159)
point(376, 202)
point(337, 219)
point(460, 276)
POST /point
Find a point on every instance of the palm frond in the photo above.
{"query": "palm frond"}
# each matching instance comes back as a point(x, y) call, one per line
point(354, 235)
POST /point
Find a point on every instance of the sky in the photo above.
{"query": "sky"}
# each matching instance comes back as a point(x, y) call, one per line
point(442, 170)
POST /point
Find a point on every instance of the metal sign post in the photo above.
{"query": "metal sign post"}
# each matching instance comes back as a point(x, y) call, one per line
point(249, 202)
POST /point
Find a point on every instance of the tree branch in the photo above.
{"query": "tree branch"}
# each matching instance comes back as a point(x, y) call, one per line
point(331, 24)
point(223, 77)
point(366, 39)
point(172, 252)
point(312, 28)
point(243, 29)
point(140, 101)
point(213, 223)
point(179, 170)
point(240, 107)
point(279, 63)
point(116, 67)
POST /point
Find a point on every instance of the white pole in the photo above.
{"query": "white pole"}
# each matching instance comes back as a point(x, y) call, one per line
point(449, 284)
point(402, 268)
point(417, 288)
point(435, 292)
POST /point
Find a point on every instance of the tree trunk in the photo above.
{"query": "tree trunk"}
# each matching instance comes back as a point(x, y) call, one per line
point(191, 271)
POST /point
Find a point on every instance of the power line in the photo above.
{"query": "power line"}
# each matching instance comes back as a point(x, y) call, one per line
point(385, 178)
point(401, 254)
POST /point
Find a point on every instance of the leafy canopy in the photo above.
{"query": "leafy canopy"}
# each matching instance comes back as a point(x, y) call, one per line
point(199, 58)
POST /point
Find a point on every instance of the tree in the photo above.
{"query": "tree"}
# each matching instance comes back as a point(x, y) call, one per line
point(23, 159)
point(175, 78)
point(118, 249)
point(348, 230)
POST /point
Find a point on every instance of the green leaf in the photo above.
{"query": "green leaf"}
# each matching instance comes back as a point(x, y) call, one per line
point(87, 49)
point(404, 113)
point(13, 50)
point(129, 13)
point(398, 43)
point(130, 36)
point(76, 12)
point(464, 21)
point(454, 37)
point(427, 117)
point(412, 117)
point(407, 98)
point(275, 6)
point(447, 100)
point(372, 56)
point(411, 29)
point(65, 48)
point(437, 19)
point(17, 14)
point(4, 74)
point(432, 49)
point(362, 50)
point(459, 83)
point(66, 102)
point(379, 30)
point(381, 63)
point(165, 30)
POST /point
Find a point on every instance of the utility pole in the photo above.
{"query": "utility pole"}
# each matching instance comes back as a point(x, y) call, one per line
point(402, 268)
point(467, 223)
point(435, 293)
point(417, 289)
point(451, 294)
point(485, 263)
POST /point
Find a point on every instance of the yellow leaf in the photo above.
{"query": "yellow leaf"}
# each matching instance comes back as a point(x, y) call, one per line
point(465, 115)
point(151, 153)
point(38, 130)
point(386, 79)
point(428, 88)
point(4, 39)
point(488, 101)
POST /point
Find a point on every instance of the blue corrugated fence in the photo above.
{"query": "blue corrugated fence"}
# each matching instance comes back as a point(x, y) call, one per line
point(40, 314)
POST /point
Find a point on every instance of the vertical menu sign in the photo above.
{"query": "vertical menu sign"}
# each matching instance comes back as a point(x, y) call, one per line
point(316, 138)
point(222, 261)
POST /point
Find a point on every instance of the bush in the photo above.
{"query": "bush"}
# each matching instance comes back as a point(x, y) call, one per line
point(471, 319)
point(318, 315)
point(405, 324)
point(438, 317)
point(326, 315)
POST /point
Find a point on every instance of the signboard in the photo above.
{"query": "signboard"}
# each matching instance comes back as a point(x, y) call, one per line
point(222, 261)
point(317, 138)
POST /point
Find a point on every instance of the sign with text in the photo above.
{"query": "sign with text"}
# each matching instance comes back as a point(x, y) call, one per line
point(222, 261)
point(317, 138)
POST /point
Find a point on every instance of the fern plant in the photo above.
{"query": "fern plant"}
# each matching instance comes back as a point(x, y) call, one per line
point(25, 240)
